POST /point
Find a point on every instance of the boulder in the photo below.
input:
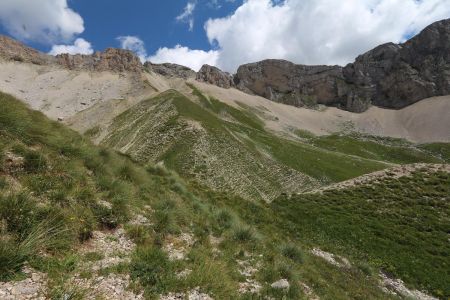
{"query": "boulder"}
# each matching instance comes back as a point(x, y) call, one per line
point(281, 284)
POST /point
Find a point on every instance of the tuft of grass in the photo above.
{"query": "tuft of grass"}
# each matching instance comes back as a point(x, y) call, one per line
point(243, 234)
point(292, 252)
point(34, 162)
point(151, 267)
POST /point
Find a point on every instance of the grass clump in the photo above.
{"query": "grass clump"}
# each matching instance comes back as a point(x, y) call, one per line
point(292, 252)
point(151, 267)
point(243, 234)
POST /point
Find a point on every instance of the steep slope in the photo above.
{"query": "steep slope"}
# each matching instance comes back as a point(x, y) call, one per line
point(228, 148)
point(390, 75)
point(397, 221)
point(84, 222)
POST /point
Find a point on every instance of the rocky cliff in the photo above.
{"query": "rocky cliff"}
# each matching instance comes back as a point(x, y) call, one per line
point(390, 75)
point(114, 60)
point(395, 76)
point(213, 75)
point(285, 82)
point(170, 70)
point(13, 50)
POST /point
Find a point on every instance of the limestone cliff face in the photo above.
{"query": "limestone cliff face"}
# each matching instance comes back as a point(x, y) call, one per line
point(114, 60)
point(285, 82)
point(13, 50)
point(390, 75)
point(170, 70)
point(395, 76)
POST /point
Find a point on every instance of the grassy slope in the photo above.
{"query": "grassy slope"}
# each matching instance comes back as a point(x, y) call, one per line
point(234, 145)
point(399, 225)
point(51, 184)
point(63, 177)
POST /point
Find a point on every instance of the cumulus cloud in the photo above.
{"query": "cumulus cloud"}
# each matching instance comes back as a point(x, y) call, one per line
point(80, 46)
point(187, 15)
point(193, 59)
point(184, 56)
point(134, 44)
point(44, 21)
point(317, 31)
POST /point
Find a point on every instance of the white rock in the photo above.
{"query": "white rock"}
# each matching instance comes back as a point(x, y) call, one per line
point(280, 284)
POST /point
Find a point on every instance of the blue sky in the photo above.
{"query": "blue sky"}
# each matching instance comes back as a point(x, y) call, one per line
point(224, 33)
point(154, 21)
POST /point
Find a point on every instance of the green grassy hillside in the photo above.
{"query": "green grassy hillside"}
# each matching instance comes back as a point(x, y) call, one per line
point(228, 149)
point(57, 191)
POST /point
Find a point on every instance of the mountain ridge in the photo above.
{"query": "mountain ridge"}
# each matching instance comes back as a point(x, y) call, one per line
point(390, 75)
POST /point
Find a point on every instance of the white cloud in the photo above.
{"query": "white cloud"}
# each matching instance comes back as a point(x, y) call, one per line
point(317, 31)
point(80, 46)
point(187, 15)
point(44, 21)
point(193, 59)
point(134, 44)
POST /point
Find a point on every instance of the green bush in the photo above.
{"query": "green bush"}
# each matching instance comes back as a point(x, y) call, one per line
point(152, 268)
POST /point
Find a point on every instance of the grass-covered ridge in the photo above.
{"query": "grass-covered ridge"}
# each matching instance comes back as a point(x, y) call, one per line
point(228, 148)
point(398, 225)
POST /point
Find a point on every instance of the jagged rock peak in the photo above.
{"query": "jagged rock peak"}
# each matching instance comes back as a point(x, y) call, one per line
point(214, 75)
point(112, 59)
point(170, 70)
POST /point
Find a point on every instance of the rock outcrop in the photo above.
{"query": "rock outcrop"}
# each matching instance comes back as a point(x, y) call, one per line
point(115, 60)
point(298, 85)
point(395, 76)
point(13, 50)
point(170, 70)
point(215, 76)
point(390, 75)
